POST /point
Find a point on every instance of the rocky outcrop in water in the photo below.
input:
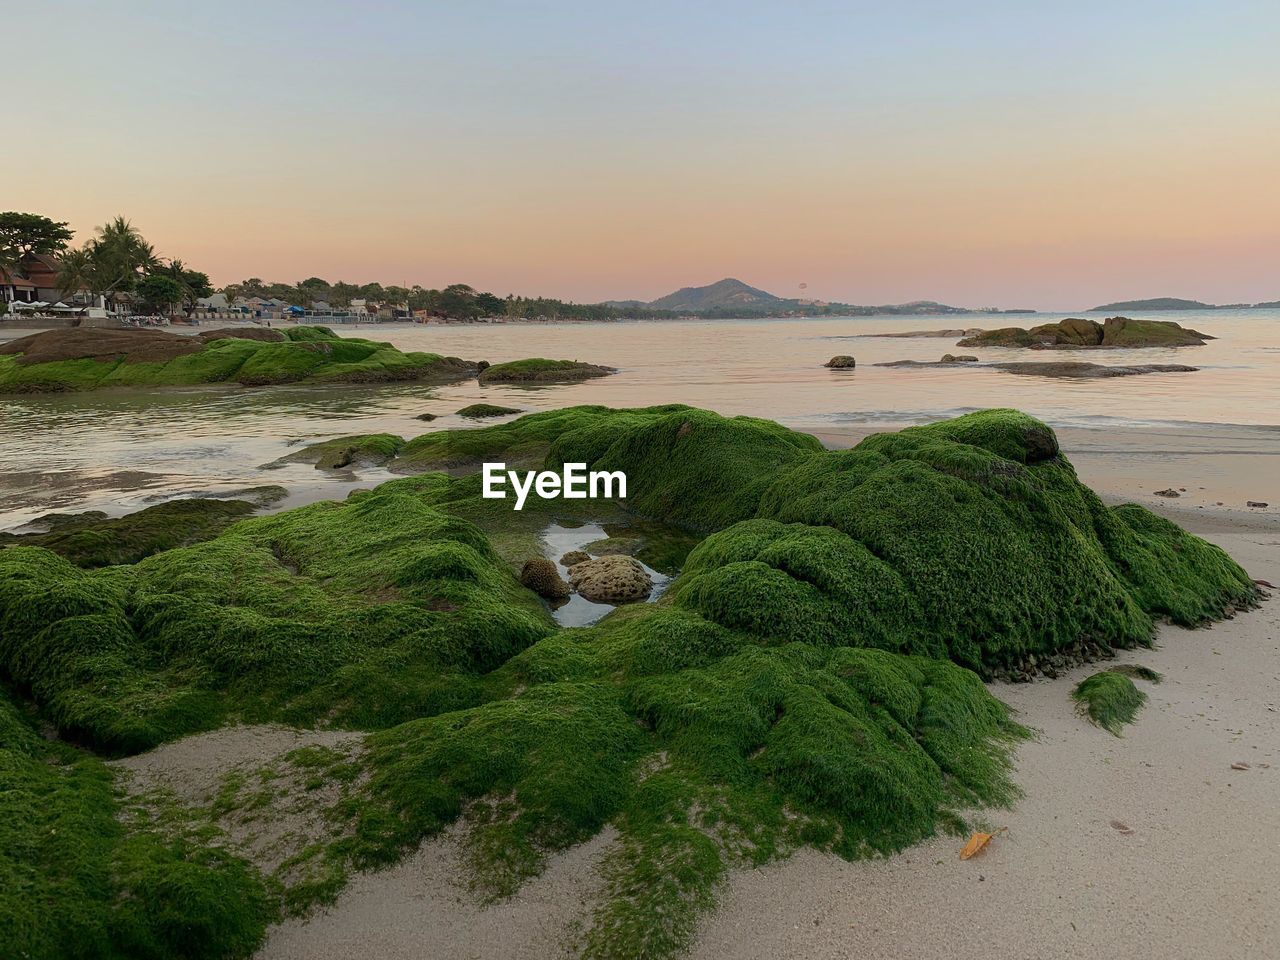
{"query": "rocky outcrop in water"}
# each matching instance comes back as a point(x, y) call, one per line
point(89, 359)
point(1078, 369)
point(1078, 333)
point(841, 362)
point(538, 370)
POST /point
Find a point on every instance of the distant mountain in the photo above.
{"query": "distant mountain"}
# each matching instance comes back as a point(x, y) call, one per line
point(725, 293)
point(731, 298)
point(1157, 303)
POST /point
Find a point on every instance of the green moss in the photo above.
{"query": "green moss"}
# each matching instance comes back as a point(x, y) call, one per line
point(538, 370)
point(1138, 671)
point(309, 354)
point(95, 540)
point(802, 683)
point(1109, 699)
point(309, 334)
point(480, 411)
point(365, 613)
point(525, 440)
point(371, 449)
point(76, 881)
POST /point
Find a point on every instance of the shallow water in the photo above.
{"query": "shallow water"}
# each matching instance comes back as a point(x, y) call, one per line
point(557, 540)
point(120, 450)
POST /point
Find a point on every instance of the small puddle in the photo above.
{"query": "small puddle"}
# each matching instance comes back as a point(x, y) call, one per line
point(660, 545)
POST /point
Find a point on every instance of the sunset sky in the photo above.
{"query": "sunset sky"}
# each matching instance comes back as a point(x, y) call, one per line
point(977, 153)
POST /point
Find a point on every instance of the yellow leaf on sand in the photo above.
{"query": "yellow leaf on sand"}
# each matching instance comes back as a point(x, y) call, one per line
point(977, 843)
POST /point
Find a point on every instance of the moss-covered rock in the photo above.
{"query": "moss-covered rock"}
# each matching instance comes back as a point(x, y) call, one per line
point(483, 411)
point(1075, 332)
point(93, 539)
point(364, 613)
point(371, 449)
point(538, 370)
point(1109, 699)
point(83, 359)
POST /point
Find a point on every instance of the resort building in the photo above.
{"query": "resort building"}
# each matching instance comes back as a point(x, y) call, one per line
point(36, 280)
point(15, 288)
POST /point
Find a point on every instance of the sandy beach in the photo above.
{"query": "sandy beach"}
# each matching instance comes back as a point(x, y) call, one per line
point(1149, 846)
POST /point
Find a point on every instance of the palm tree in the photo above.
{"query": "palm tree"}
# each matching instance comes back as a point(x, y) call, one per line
point(120, 254)
point(77, 271)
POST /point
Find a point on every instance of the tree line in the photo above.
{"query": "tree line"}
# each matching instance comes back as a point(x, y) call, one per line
point(457, 301)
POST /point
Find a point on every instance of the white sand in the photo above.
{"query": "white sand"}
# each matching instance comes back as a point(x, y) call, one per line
point(417, 910)
point(193, 767)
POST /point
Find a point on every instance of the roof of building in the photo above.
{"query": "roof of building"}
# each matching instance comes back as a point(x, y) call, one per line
point(21, 282)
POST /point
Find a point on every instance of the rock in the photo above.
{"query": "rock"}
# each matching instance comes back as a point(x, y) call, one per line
point(539, 370)
point(940, 334)
point(1075, 368)
point(841, 362)
point(426, 416)
point(1052, 368)
point(1168, 492)
point(612, 579)
point(482, 366)
point(914, 363)
point(611, 545)
point(482, 411)
point(575, 556)
point(541, 576)
point(962, 358)
point(1255, 503)
point(1078, 333)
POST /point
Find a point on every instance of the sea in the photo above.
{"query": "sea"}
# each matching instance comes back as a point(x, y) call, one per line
point(120, 450)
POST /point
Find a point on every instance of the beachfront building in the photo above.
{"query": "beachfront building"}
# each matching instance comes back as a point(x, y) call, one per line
point(15, 288)
point(36, 281)
point(31, 291)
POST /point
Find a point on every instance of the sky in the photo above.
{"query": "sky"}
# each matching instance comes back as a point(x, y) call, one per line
point(1012, 154)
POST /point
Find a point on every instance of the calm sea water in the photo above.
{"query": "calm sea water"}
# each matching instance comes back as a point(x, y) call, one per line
point(122, 449)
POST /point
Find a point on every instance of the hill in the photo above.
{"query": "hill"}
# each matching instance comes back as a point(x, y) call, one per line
point(1156, 303)
point(724, 293)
